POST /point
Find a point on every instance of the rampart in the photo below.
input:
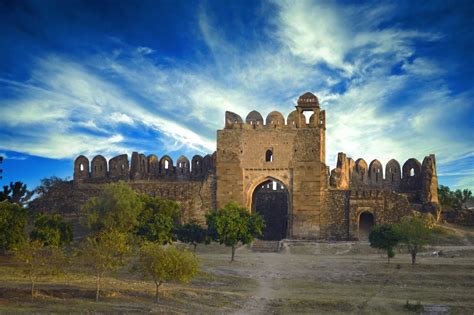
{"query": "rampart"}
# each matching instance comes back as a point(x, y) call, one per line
point(418, 181)
point(142, 168)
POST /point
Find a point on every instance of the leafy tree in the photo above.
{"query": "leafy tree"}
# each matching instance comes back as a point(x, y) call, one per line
point(52, 230)
point(13, 218)
point(449, 199)
point(158, 219)
point(233, 224)
point(38, 260)
point(414, 234)
point(166, 264)
point(117, 207)
point(16, 193)
point(103, 252)
point(48, 184)
point(192, 233)
point(384, 237)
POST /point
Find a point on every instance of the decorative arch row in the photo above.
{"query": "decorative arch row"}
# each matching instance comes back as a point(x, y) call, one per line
point(273, 119)
point(393, 173)
point(142, 167)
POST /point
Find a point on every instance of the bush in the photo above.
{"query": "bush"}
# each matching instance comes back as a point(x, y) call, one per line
point(52, 230)
point(13, 218)
point(192, 233)
point(384, 237)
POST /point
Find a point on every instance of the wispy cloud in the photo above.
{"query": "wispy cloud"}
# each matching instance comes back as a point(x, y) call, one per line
point(384, 98)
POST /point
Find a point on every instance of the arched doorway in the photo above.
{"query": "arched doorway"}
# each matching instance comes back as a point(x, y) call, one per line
point(366, 222)
point(270, 199)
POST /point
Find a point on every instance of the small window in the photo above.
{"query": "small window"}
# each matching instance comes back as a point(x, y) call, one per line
point(82, 167)
point(269, 156)
point(167, 164)
point(412, 172)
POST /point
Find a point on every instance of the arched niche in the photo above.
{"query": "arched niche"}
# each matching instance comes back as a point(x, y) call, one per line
point(275, 119)
point(183, 166)
point(81, 168)
point(375, 173)
point(99, 167)
point(254, 118)
point(294, 119)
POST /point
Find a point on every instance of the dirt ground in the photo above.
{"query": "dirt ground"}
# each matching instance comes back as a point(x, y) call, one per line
point(304, 278)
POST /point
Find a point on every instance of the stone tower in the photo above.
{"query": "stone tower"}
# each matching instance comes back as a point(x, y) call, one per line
point(279, 161)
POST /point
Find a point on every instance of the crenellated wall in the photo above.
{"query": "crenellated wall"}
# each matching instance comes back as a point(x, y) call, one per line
point(142, 168)
point(321, 204)
point(417, 181)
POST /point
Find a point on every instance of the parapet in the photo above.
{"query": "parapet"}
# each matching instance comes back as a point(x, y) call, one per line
point(417, 180)
point(142, 168)
point(275, 119)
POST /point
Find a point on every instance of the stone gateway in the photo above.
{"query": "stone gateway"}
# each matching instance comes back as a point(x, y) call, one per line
point(276, 167)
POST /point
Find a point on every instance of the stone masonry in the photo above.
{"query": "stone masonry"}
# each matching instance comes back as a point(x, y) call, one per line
point(257, 153)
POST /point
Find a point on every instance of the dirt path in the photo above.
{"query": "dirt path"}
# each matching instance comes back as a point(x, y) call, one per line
point(268, 269)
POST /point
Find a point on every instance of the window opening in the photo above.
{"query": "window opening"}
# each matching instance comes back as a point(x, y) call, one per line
point(269, 156)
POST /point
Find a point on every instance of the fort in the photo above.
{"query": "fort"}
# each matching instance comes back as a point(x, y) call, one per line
point(276, 167)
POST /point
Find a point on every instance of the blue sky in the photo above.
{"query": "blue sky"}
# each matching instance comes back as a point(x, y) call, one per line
point(112, 77)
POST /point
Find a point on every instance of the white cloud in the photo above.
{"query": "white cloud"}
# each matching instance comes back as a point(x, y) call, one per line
point(109, 94)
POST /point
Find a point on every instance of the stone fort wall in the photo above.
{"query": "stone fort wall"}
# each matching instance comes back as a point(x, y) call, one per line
point(190, 183)
point(322, 204)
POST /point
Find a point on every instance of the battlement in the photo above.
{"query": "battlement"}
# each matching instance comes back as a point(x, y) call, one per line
point(275, 119)
point(142, 168)
point(416, 179)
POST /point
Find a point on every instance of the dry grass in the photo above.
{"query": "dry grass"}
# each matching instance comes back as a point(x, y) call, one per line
point(324, 278)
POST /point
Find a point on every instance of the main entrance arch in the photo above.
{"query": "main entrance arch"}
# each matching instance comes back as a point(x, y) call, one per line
point(271, 200)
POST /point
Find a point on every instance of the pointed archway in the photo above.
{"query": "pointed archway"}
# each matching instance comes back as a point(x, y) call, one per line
point(270, 199)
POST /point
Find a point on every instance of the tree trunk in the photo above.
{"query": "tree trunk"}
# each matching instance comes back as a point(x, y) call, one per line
point(233, 254)
point(157, 291)
point(413, 257)
point(32, 281)
point(439, 215)
point(97, 287)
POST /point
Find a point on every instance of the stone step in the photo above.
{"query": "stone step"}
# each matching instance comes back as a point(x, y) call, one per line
point(266, 246)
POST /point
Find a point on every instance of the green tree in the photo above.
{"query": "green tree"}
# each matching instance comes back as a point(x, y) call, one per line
point(158, 219)
point(103, 252)
point(13, 218)
point(451, 200)
point(165, 264)
point(16, 193)
point(384, 237)
point(414, 234)
point(117, 207)
point(52, 230)
point(192, 233)
point(37, 260)
point(233, 224)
